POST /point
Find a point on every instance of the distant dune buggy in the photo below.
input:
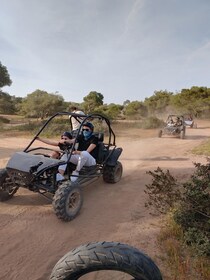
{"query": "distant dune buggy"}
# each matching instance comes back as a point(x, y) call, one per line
point(35, 170)
point(189, 121)
point(174, 126)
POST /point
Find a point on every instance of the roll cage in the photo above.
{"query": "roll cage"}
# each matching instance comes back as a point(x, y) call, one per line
point(107, 154)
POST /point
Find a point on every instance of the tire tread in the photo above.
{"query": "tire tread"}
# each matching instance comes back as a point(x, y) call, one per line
point(105, 256)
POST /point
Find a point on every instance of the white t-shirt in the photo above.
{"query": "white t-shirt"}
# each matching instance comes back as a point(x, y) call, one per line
point(74, 122)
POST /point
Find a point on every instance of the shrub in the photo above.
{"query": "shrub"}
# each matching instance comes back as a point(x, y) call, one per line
point(192, 201)
point(163, 192)
point(197, 239)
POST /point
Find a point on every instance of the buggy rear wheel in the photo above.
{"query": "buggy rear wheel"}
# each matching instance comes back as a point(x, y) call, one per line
point(67, 201)
point(112, 174)
point(7, 189)
point(108, 256)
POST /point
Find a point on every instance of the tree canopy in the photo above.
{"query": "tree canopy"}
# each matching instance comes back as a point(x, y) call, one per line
point(158, 101)
point(4, 76)
point(7, 105)
point(135, 110)
point(195, 100)
point(93, 100)
point(41, 104)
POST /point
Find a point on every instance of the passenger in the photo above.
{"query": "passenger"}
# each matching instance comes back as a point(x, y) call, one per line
point(86, 153)
point(76, 122)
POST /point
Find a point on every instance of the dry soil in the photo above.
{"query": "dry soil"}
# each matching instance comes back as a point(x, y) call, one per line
point(32, 239)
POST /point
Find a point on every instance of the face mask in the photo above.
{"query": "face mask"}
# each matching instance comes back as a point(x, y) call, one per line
point(87, 134)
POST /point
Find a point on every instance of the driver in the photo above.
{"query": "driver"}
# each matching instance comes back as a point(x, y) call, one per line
point(64, 137)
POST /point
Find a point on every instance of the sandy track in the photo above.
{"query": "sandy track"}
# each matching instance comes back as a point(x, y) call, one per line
point(32, 239)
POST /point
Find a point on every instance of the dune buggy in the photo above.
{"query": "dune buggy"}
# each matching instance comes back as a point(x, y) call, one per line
point(34, 169)
point(189, 121)
point(174, 126)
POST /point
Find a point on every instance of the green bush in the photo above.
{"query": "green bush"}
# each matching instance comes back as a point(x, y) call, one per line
point(191, 200)
point(163, 192)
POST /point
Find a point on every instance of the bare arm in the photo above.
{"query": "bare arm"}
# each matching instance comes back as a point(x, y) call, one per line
point(47, 141)
point(69, 141)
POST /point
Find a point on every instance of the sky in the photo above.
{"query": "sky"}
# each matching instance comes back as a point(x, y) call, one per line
point(123, 49)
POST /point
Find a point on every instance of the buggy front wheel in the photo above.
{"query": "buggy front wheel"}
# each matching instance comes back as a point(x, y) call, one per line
point(7, 188)
point(67, 201)
point(110, 256)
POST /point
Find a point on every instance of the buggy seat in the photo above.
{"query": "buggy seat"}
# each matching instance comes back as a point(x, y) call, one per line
point(102, 150)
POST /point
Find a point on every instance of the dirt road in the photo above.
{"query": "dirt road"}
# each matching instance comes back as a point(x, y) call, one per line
point(32, 239)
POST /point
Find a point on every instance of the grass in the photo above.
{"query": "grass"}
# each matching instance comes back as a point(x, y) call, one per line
point(181, 261)
point(203, 149)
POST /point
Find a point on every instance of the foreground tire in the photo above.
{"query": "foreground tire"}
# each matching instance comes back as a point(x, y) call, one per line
point(112, 174)
point(67, 201)
point(105, 256)
point(7, 188)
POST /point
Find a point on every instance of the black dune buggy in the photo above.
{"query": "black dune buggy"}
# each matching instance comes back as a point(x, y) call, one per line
point(34, 169)
point(174, 126)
